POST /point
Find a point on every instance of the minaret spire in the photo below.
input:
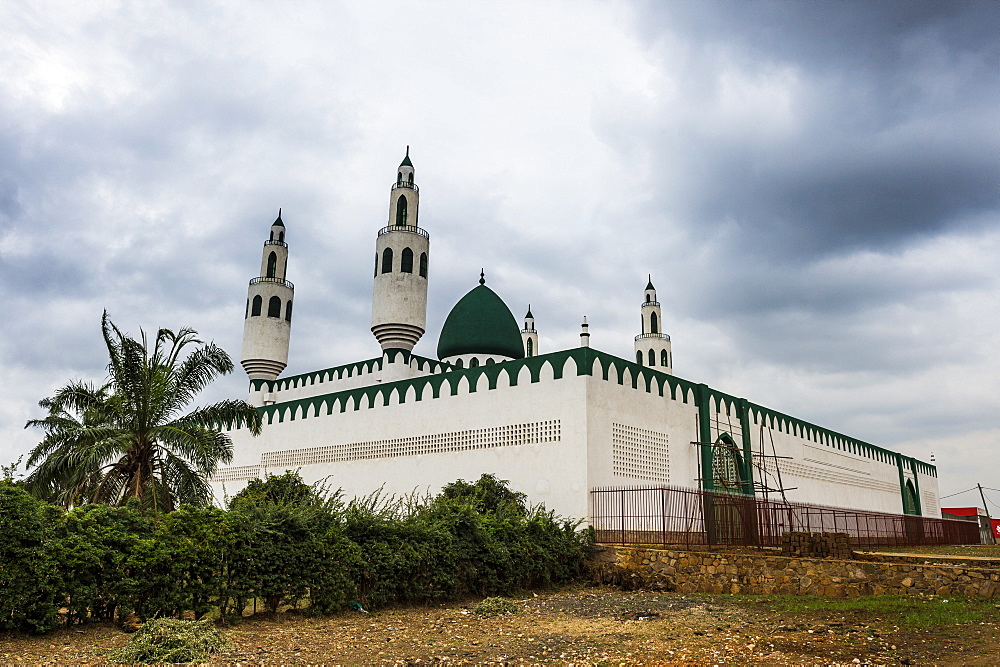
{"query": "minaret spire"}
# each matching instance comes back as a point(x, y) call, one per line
point(402, 250)
point(528, 334)
point(652, 346)
point(267, 324)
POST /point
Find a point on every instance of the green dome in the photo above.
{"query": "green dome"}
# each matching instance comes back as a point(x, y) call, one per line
point(480, 323)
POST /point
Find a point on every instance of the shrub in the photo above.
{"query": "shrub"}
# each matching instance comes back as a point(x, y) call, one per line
point(28, 590)
point(281, 541)
point(170, 640)
point(496, 607)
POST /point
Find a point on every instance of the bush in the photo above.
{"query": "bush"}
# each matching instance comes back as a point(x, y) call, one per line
point(169, 640)
point(281, 541)
point(28, 591)
point(496, 607)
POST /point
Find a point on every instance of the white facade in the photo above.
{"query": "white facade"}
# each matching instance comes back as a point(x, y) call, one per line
point(556, 425)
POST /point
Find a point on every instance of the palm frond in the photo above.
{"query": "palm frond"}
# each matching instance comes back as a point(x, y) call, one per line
point(129, 437)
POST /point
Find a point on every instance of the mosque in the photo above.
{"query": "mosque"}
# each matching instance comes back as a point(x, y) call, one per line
point(556, 424)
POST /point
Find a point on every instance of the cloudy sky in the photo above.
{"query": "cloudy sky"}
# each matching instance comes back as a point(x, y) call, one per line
point(812, 185)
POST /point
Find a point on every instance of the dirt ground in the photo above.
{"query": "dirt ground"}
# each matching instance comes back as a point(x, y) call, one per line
point(578, 626)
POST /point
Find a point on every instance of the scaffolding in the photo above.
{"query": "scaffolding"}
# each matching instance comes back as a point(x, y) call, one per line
point(764, 478)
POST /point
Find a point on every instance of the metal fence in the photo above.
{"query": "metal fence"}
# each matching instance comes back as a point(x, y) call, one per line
point(679, 516)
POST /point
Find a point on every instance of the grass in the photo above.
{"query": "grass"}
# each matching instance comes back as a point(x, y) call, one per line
point(169, 640)
point(496, 607)
point(907, 612)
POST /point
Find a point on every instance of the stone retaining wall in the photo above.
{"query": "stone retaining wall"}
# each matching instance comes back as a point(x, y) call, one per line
point(714, 572)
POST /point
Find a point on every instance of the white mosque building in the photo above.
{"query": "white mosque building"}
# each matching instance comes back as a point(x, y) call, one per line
point(555, 424)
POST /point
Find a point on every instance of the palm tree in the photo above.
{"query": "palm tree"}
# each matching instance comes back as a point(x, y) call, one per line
point(131, 437)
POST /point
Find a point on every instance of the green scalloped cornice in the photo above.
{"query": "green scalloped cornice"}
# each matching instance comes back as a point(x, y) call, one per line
point(445, 381)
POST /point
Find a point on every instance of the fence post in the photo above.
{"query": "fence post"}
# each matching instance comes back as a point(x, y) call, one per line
point(663, 516)
point(622, 495)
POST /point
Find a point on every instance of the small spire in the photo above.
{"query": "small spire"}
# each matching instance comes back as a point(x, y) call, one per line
point(278, 219)
point(529, 313)
point(482, 277)
point(649, 283)
point(406, 160)
point(584, 333)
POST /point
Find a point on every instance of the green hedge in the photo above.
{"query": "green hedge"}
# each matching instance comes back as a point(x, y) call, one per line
point(281, 542)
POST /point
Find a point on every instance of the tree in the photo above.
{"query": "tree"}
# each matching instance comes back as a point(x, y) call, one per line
point(131, 437)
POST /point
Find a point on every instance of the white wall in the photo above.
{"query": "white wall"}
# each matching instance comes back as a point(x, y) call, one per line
point(553, 439)
point(550, 469)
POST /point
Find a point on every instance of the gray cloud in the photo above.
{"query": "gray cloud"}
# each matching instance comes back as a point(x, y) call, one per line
point(812, 187)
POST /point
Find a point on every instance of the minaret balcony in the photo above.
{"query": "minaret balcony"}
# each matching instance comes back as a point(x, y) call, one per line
point(273, 242)
point(409, 229)
point(404, 184)
point(651, 303)
point(266, 279)
point(652, 335)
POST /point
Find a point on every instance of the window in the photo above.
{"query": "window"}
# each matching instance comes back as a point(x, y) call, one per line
point(406, 261)
point(638, 357)
point(376, 264)
point(387, 260)
point(281, 237)
point(272, 265)
point(257, 302)
point(459, 364)
point(423, 265)
point(247, 314)
point(401, 211)
point(473, 363)
point(399, 177)
point(288, 311)
point(490, 362)
point(409, 179)
point(649, 299)
point(653, 324)
point(726, 464)
point(274, 307)
point(652, 358)
point(664, 359)
point(910, 503)
point(530, 348)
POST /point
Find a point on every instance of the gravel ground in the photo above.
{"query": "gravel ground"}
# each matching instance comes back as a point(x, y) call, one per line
point(579, 626)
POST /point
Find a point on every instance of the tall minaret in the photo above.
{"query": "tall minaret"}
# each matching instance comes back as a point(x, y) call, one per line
point(652, 347)
point(529, 335)
point(399, 303)
point(268, 322)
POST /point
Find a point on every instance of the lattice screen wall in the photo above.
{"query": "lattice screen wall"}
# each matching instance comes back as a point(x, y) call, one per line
point(639, 453)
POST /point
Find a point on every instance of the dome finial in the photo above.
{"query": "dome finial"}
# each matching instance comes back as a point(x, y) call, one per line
point(482, 277)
